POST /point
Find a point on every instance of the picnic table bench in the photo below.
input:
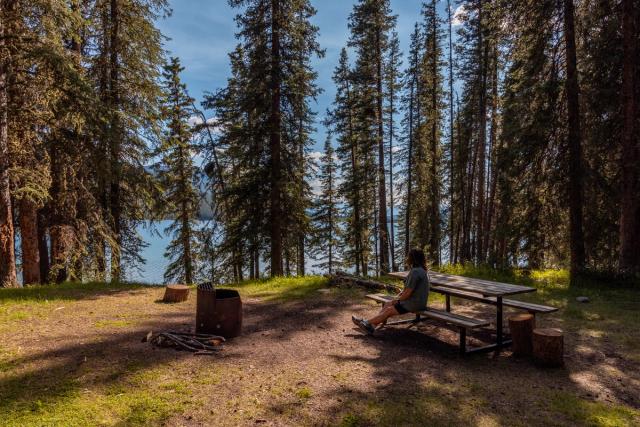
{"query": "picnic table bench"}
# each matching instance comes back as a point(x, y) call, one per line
point(462, 323)
point(478, 290)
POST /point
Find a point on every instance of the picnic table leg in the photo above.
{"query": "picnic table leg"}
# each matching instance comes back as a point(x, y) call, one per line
point(447, 299)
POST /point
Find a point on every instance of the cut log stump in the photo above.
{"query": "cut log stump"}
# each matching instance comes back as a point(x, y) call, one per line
point(176, 293)
point(548, 347)
point(521, 327)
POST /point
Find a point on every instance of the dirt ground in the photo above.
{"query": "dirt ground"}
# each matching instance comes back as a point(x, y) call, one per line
point(80, 361)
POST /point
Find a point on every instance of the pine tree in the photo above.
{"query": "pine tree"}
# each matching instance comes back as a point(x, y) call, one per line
point(266, 125)
point(326, 217)
point(411, 122)
point(630, 204)
point(7, 252)
point(393, 88)
point(177, 177)
point(574, 142)
point(370, 24)
point(352, 157)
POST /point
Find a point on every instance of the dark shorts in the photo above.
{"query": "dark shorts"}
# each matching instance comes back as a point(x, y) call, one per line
point(400, 308)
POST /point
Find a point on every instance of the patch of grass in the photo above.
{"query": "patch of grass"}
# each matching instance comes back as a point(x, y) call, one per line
point(120, 398)
point(429, 406)
point(350, 420)
point(113, 323)
point(7, 360)
point(588, 413)
point(282, 288)
point(304, 393)
point(68, 291)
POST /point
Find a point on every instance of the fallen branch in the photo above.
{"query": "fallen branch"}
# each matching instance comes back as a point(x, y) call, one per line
point(341, 278)
point(195, 343)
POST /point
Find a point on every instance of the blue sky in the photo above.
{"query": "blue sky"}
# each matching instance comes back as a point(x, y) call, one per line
point(202, 32)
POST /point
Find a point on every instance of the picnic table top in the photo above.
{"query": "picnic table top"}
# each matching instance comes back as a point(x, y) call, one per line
point(480, 286)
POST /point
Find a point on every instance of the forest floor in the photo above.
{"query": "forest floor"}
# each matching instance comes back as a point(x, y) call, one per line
point(72, 355)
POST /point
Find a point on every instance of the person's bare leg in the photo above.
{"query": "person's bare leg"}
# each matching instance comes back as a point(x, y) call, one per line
point(384, 314)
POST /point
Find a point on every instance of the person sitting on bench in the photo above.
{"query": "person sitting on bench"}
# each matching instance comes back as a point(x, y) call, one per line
point(413, 297)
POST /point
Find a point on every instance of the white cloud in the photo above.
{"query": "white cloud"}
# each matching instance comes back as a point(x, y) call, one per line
point(197, 120)
point(458, 16)
point(315, 155)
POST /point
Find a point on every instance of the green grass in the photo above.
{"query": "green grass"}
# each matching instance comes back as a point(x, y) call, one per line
point(282, 288)
point(68, 291)
point(304, 393)
point(137, 400)
point(587, 413)
point(113, 323)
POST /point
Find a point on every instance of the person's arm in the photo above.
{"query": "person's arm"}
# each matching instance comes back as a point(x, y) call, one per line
point(408, 289)
point(404, 295)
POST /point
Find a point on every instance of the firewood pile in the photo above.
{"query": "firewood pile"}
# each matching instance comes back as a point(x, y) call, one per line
point(199, 344)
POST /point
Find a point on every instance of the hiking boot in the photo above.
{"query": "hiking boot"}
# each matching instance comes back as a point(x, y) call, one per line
point(365, 326)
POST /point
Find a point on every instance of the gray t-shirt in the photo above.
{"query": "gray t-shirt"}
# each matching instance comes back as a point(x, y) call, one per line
point(418, 280)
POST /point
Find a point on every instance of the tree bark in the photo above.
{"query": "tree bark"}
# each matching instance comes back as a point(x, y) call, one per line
point(383, 231)
point(275, 144)
point(483, 55)
point(29, 240)
point(435, 157)
point(115, 140)
point(630, 203)
point(43, 249)
point(407, 221)
point(451, 140)
point(574, 144)
point(493, 150)
point(392, 240)
point(8, 276)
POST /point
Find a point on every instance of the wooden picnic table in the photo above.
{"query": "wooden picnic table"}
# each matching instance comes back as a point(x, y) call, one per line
point(486, 288)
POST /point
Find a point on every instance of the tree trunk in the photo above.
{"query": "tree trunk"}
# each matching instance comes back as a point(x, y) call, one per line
point(451, 140)
point(355, 167)
point(43, 249)
point(493, 150)
point(29, 240)
point(8, 276)
point(115, 141)
point(630, 203)
point(257, 264)
point(275, 144)
point(382, 187)
point(574, 143)
point(483, 55)
point(392, 240)
point(435, 157)
point(407, 221)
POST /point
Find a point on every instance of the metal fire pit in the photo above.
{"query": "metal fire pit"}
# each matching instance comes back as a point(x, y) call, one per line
point(219, 311)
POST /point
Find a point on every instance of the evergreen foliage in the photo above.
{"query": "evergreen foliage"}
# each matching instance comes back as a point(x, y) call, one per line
point(177, 174)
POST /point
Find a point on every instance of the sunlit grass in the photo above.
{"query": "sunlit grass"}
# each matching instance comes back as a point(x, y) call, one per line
point(588, 413)
point(68, 291)
point(282, 288)
point(136, 399)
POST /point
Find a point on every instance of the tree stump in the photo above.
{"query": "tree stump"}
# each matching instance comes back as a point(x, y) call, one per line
point(548, 347)
point(521, 327)
point(176, 293)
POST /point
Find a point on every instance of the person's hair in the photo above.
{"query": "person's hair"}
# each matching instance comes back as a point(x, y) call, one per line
point(416, 258)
